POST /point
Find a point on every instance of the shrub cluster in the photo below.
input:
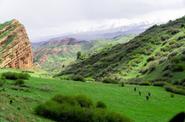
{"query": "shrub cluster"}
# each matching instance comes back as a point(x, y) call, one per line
point(113, 80)
point(144, 83)
point(174, 89)
point(18, 78)
point(158, 83)
point(77, 109)
point(78, 78)
point(15, 76)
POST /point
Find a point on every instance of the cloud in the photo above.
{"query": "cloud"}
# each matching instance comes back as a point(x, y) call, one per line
point(50, 17)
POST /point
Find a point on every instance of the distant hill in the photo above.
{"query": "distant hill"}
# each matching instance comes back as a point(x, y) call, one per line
point(158, 54)
point(55, 54)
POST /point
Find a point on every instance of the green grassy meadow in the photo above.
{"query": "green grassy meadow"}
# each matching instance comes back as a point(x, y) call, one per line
point(124, 100)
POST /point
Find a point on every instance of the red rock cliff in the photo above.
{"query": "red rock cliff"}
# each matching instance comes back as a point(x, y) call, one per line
point(15, 48)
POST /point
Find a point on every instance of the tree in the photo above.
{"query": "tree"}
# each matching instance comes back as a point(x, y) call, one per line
point(79, 54)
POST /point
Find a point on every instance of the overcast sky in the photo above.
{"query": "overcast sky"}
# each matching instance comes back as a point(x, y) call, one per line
point(51, 17)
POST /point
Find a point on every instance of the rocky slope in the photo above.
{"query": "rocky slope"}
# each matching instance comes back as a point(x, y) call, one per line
point(52, 55)
point(15, 48)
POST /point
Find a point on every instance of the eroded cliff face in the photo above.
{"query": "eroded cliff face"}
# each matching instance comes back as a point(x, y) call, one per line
point(15, 48)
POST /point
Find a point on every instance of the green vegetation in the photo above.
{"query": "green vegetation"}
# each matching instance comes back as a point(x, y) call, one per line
point(15, 76)
point(54, 58)
point(154, 59)
point(18, 103)
point(6, 28)
point(156, 55)
point(5, 24)
point(77, 109)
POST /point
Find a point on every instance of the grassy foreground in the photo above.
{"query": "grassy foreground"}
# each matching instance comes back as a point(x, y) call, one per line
point(159, 108)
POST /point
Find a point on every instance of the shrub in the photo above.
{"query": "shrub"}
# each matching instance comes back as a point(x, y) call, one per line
point(151, 58)
point(60, 109)
point(181, 38)
point(2, 82)
point(164, 37)
point(145, 83)
point(183, 84)
point(167, 73)
point(174, 31)
point(135, 81)
point(172, 95)
point(174, 89)
point(15, 76)
point(79, 100)
point(83, 101)
point(122, 84)
point(151, 69)
point(110, 80)
point(178, 68)
point(19, 82)
point(78, 78)
point(158, 83)
point(143, 71)
point(180, 117)
point(100, 104)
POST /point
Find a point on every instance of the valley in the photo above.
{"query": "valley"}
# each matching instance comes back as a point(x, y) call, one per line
point(54, 55)
point(124, 76)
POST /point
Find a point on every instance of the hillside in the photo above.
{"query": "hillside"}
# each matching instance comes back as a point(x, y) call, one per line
point(158, 54)
point(55, 54)
point(18, 102)
point(15, 48)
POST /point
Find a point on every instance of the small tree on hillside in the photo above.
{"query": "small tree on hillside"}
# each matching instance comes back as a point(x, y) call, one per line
point(78, 55)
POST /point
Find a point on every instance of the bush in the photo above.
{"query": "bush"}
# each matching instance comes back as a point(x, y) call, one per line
point(181, 38)
point(100, 104)
point(152, 67)
point(2, 82)
point(178, 68)
point(180, 117)
point(144, 83)
point(110, 80)
point(164, 37)
point(174, 31)
point(135, 81)
point(15, 76)
point(158, 83)
point(78, 78)
point(66, 109)
point(83, 101)
point(167, 73)
point(19, 82)
point(174, 89)
point(122, 84)
point(79, 100)
point(151, 58)
point(143, 71)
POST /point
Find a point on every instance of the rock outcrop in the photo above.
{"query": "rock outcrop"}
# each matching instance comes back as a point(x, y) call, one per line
point(15, 48)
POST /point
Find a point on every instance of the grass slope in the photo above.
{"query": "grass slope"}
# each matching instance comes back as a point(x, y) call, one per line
point(159, 108)
point(155, 54)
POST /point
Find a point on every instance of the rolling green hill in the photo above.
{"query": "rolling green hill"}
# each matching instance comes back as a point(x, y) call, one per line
point(158, 54)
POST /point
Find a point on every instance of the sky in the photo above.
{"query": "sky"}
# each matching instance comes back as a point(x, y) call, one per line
point(51, 17)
